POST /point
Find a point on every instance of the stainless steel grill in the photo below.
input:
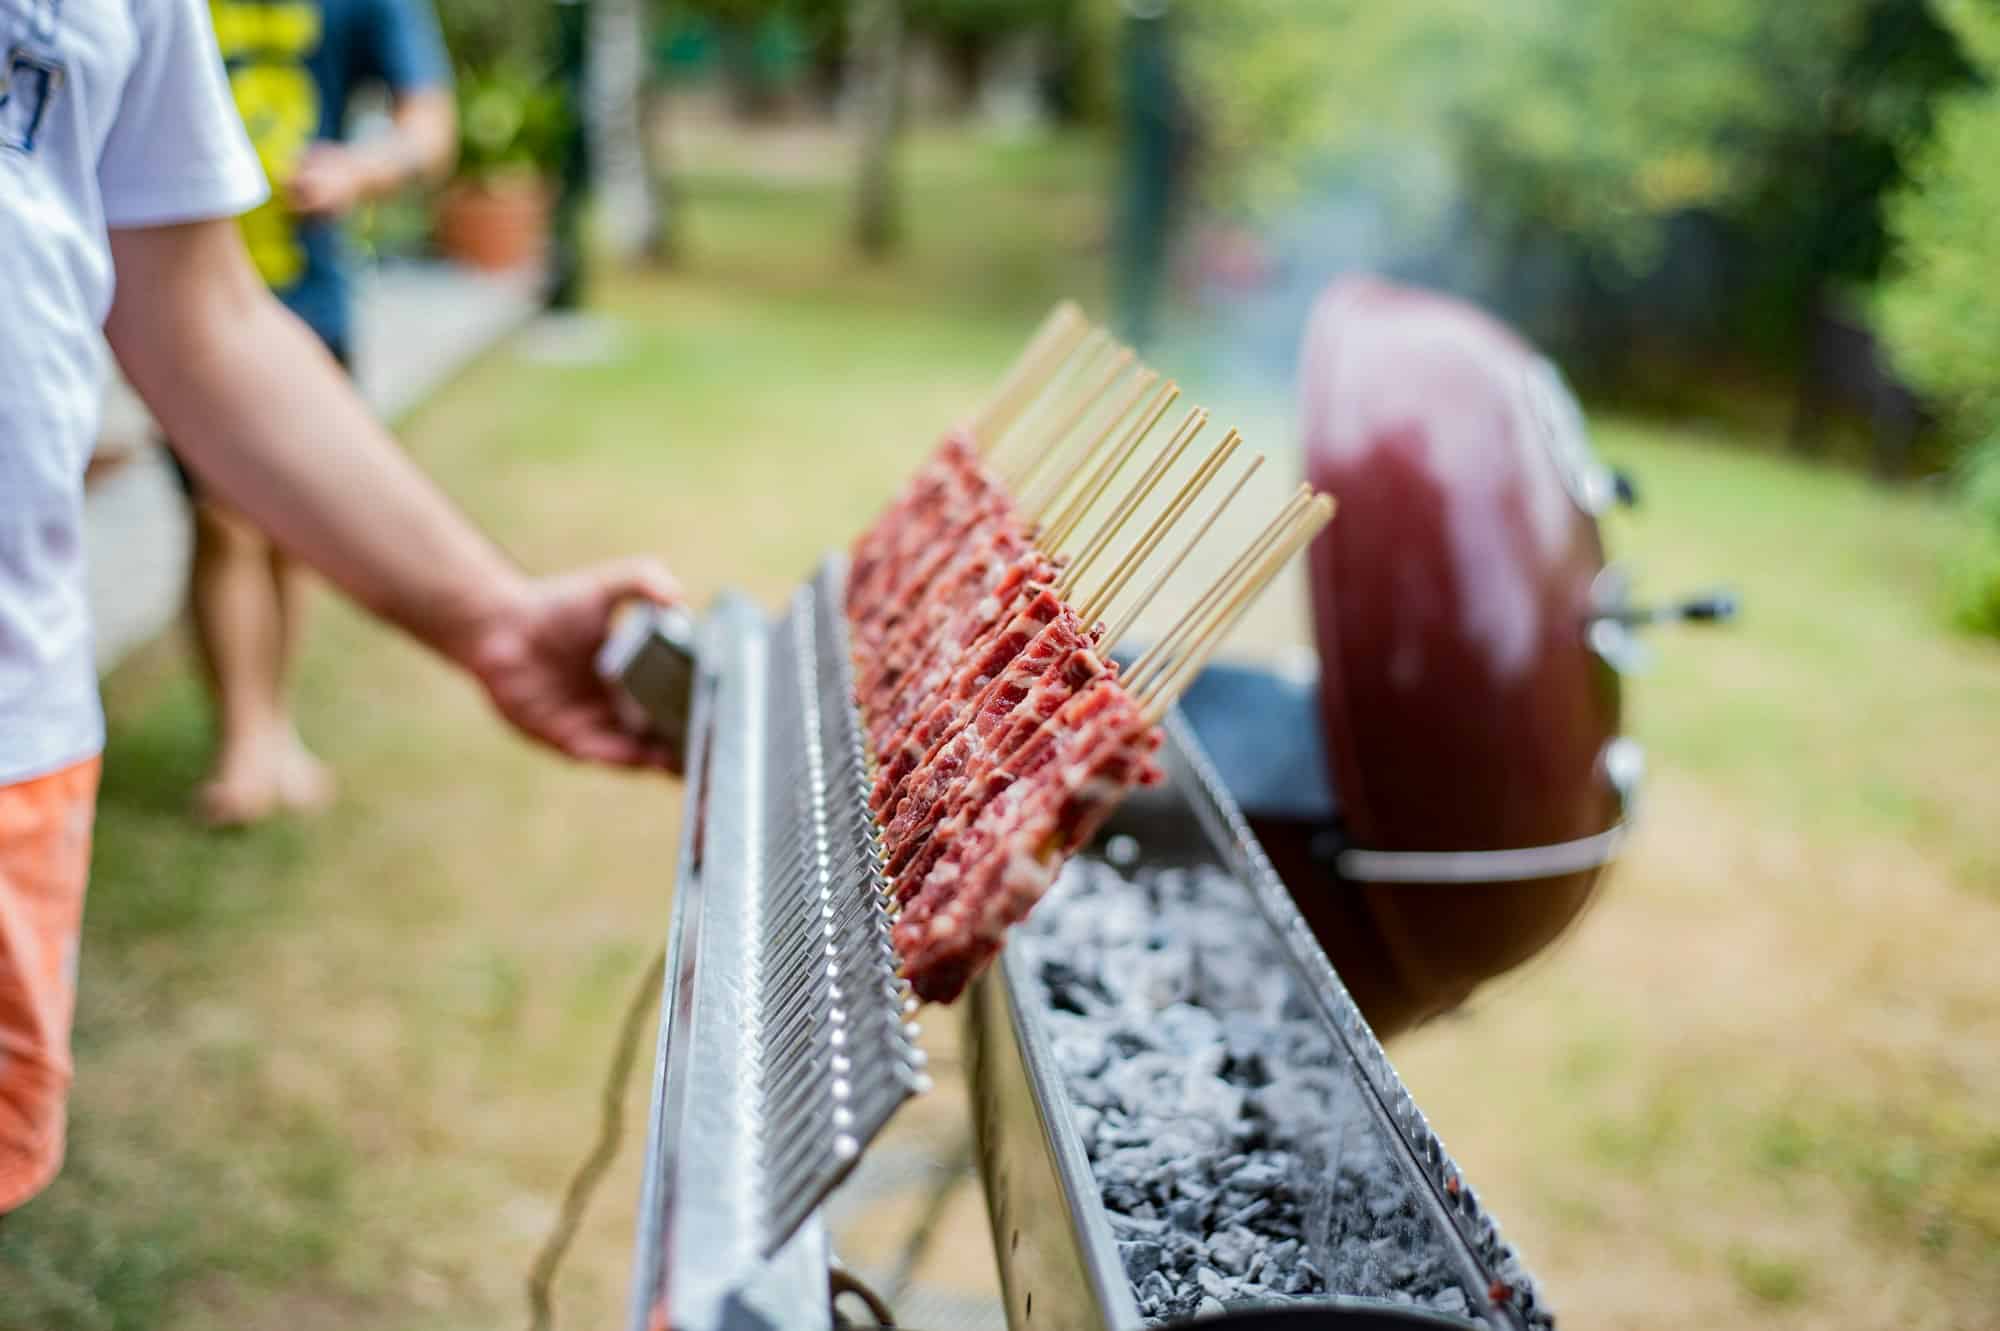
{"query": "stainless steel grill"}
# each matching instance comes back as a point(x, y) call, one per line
point(786, 1044)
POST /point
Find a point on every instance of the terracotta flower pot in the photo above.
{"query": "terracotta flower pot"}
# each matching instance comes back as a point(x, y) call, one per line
point(497, 223)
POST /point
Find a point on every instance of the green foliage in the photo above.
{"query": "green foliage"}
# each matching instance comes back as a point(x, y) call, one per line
point(985, 19)
point(485, 35)
point(1599, 121)
point(1290, 89)
point(1778, 1281)
point(511, 116)
point(1938, 311)
point(509, 122)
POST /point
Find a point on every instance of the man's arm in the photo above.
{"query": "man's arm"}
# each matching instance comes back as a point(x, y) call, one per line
point(270, 424)
point(332, 179)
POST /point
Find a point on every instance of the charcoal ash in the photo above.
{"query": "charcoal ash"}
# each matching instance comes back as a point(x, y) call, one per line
point(1235, 1162)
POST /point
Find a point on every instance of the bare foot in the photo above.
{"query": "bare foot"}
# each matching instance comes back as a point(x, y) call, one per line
point(305, 784)
point(242, 791)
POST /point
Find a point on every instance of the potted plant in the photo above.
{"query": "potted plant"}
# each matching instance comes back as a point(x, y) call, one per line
point(495, 213)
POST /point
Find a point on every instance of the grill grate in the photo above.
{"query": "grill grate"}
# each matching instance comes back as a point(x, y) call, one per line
point(839, 1056)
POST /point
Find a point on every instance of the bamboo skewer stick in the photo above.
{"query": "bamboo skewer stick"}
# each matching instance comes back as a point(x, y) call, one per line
point(1060, 527)
point(1082, 406)
point(1036, 506)
point(1058, 321)
point(1169, 686)
point(1059, 379)
point(1195, 614)
point(1149, 480)
point(1117, 632)
point(1041, 363)
point(1135, 558)
point(1168, 681)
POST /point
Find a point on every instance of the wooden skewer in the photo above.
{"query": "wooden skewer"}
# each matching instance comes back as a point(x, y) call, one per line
point(1038, 505)
point(1059, 390)
point(1043, 361)
point(1083, 406)
point(1058, 321)
point(1143, 549)
point(1125, 621)
point(1196, 614)
point(1149, 481)
point(1064, 523)
point(1175, 681)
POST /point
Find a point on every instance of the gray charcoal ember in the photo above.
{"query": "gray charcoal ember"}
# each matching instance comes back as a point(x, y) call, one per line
point(1144, 1080)
point(1220, 1111)
point(1125, 1041)
point(1186, 1139)
point(1141, 1259)
point(1071, 990)
point(1080, 1053)
point(1189, 1031)
point(1232, 1250)
point(1450, 1301)
point(1133, 1165)
point(1257, 1176)
point(1384, 1205)
point(1287, 1102)
point(1087, 1122)
point(1121, 1196)
point(1184, 1252)
point(1246, 1214)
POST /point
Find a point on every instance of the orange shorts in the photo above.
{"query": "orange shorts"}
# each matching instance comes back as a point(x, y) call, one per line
point(44, 863)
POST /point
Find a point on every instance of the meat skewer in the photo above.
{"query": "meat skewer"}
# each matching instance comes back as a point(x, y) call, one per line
point(1002, 733)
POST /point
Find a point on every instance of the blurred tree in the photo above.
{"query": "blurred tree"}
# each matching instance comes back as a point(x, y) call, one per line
point(488, 35)
point(633, 187)
point(1938, 308)
point(876, 73)
point(967, 33)
point(1606, 125)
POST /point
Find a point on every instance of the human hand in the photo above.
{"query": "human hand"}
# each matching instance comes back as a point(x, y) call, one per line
point(330, 180)
point(536, 655)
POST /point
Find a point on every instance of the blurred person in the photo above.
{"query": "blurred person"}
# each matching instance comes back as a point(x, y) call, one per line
point(293, 65)
point(123, 166)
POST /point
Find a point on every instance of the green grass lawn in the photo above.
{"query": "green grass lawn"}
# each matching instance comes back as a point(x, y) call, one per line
point(335, 1074)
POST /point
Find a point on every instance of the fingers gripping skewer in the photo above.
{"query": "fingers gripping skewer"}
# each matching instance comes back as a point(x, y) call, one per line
point(1118, 630)
point(1101, 599)
point(1064, 523)
point(1195, 614)
point(1149, 481)
point(1170, 685)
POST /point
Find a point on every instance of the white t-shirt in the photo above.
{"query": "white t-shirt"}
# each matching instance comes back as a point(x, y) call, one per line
point(113, 113)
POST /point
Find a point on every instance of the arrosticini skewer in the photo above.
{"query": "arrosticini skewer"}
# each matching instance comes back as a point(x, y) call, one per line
point(980, 611)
